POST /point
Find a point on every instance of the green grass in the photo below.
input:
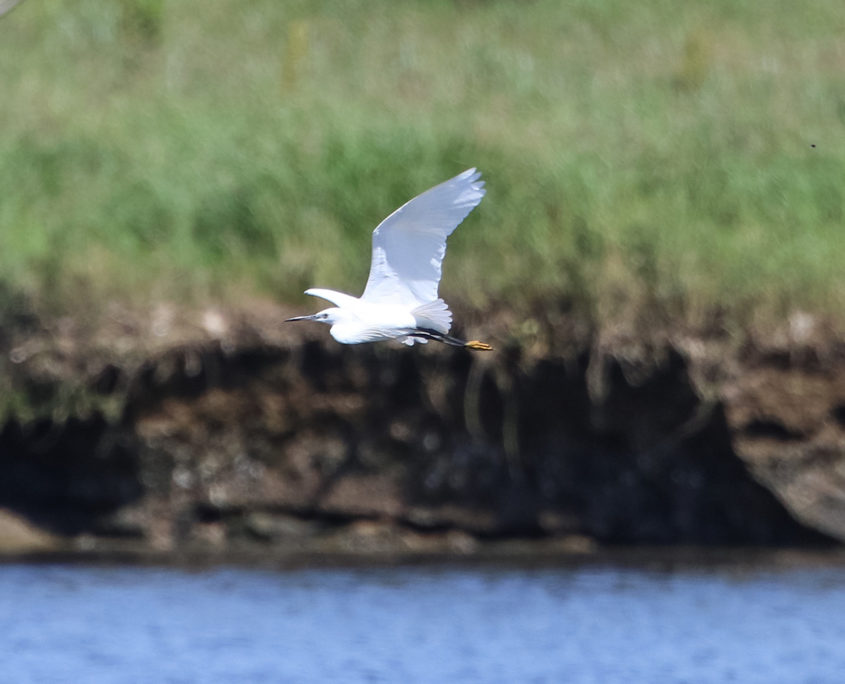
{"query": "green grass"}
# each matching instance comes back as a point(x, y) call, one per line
point(687, 158)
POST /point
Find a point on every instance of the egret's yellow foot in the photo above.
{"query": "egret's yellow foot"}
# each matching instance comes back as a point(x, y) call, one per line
point(478, 346)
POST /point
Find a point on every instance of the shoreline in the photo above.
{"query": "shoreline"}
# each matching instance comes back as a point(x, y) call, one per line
point(641, 558)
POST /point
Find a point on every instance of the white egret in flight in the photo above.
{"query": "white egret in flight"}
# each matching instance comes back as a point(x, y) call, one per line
point(400, 301)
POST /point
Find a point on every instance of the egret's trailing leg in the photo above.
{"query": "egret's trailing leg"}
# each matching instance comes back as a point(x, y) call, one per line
point(452, 341)
point(400, 301)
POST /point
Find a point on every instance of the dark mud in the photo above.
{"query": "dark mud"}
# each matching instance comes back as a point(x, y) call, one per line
point(227, 435)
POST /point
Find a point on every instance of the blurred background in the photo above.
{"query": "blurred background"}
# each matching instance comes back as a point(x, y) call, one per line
point(643, 483)
point(686, 157)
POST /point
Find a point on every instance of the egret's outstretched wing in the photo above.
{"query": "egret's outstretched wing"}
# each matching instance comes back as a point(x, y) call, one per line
point(336, 298)
point(409, 245)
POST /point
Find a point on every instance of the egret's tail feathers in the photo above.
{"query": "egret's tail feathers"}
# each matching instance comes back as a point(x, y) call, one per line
point(434, 315)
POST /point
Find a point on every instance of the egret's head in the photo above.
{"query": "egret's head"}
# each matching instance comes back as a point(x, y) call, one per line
point(329, 316)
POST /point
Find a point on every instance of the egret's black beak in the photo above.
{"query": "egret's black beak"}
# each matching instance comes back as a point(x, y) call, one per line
point(300, 318)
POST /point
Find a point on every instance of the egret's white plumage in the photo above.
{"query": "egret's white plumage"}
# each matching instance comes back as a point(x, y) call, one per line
point(400, 300)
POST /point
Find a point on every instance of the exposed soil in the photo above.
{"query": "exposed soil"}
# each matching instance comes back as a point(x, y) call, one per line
point(218, 430)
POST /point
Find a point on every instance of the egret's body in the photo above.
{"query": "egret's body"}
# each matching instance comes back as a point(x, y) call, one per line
point(400, 301)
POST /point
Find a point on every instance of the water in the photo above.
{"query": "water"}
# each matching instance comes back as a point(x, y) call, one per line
point(421, 624)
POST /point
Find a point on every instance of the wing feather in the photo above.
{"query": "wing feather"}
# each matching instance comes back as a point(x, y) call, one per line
point(409, 245)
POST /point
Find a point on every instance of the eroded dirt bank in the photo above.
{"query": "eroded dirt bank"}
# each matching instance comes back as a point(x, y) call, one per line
point(214, 431)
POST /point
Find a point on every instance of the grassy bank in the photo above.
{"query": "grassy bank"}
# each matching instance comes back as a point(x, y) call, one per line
point(686, 158)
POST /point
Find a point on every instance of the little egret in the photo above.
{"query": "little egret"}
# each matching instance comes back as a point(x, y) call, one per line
point(400, 301)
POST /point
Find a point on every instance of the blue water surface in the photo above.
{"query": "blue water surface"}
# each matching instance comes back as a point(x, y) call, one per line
point(75, 623)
